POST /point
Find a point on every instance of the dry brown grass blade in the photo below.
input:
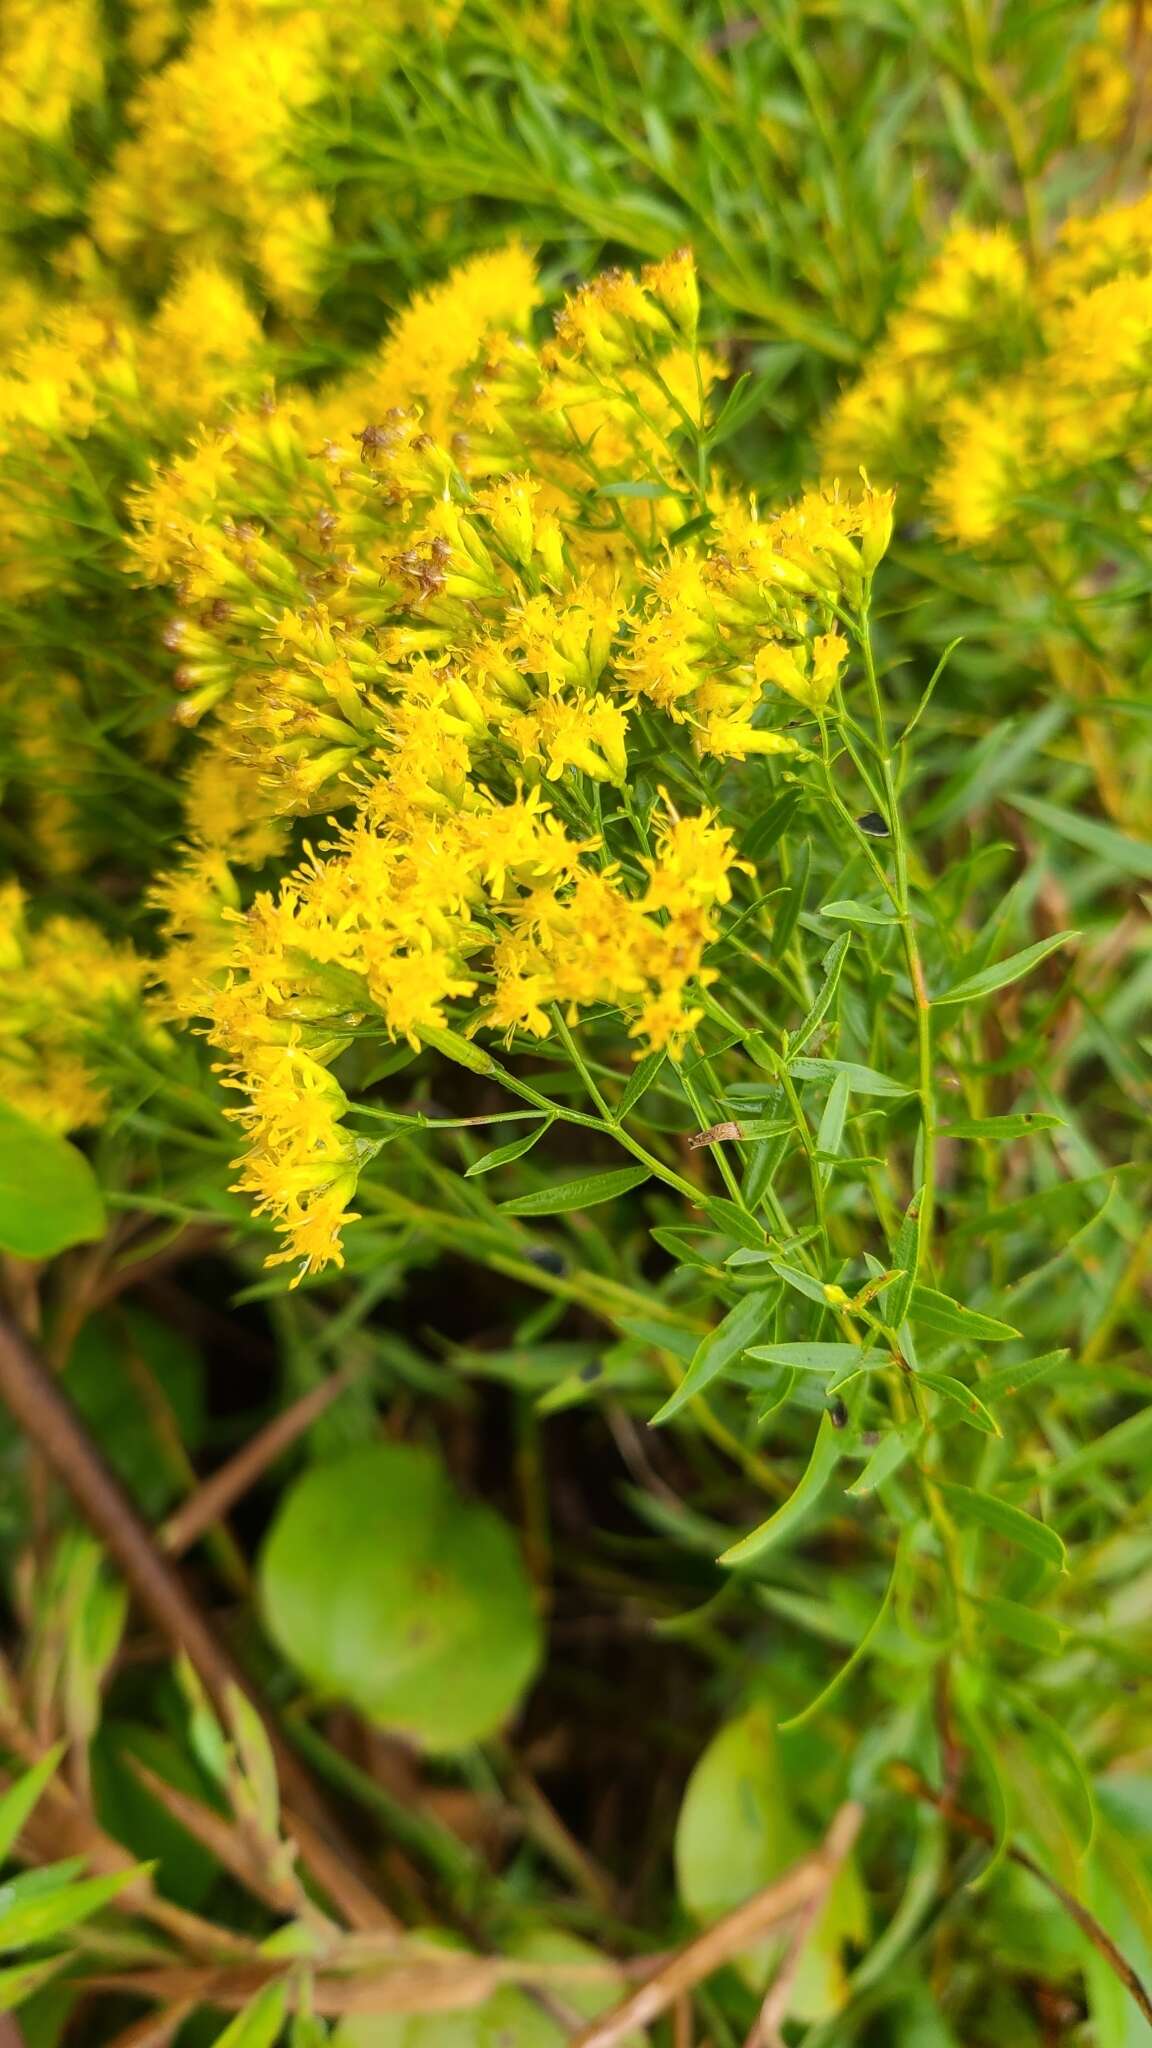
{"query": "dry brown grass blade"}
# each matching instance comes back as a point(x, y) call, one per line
point(688, 1966)
point(43, 1412)
point(63, 1826)
point(338, 1879)
point(228, 1845)
point(212, 1501)
point(414, 1981)
point(774, 2011)
point(156, 2029)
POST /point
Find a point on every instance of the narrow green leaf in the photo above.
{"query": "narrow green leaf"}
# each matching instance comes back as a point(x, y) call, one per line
point(1128, 856)
point(887, 1458)
point(639, 1083)
point(27, 1918)
point(1025, 1625)
point(833, 968)
point(720, 1349)
point(462, 1051)
point(1005, 1520)
point(584, 1193)
point(861, 1650)
point(936, 1311)
point(972, 1409)
point(826, 1454)
point(851, 912)
point(641, 487)
point(49, 1197)
point(1115, 1446)
point(1004, 972)
point(810, 1357)
point(804, 1283)
point(20, 1799)
point(735, 1222)
point(505, 1154)
point(788, 912)
point(1021, 1124)
point(20, 1980)
point(830, 1134)
point(259, 2023)
point(861, 1080)
point(1012, 1379)
point(905, 1260)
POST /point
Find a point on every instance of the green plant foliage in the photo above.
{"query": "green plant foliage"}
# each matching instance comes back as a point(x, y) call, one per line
point(428, 1623)
point(575, 1019)
point(738, 1830)
point(49, 1198)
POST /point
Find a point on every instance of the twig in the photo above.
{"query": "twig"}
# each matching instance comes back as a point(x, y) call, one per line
point(40, 1407)
point(212, 1500)
point(156, 2029)
point(774, 2011)
point(688, 1966)
point(910, 1781)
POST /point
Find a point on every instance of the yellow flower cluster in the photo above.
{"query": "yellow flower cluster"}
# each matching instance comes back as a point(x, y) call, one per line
point(1109, 71)
point(52, 65)
point(449, 605)
point(998, 386)
point(67, 989)
point(216, 160)
point(86, 374)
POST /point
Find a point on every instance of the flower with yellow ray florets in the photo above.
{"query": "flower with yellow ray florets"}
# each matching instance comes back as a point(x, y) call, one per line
point(448, 631)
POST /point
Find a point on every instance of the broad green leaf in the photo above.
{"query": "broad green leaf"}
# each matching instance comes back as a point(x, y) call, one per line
point(972, 1409)
point(936, 1311)
point(1022, 1124)
point(102, 1380)
point(737, 1831)
point(1005, 1520)
point(584, 1193)
point(388, 1591)
point(49, 1198)
point(720, 1349)
point(258, 2026)
point(21, 1798)
point(826, 1454)
point(1004, 972)
point(505, 1154)
point(1128, 856)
